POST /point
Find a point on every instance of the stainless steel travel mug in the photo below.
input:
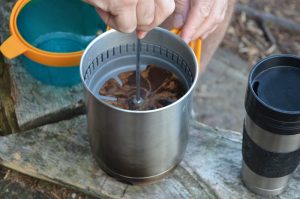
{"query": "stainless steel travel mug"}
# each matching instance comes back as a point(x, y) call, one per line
point(271, 136)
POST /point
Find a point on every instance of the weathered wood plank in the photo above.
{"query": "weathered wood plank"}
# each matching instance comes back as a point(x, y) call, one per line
point(218, 99)
point(34, 99)
point(60, 153)
point(5, 9)
point(8, 120)
point(52, 148)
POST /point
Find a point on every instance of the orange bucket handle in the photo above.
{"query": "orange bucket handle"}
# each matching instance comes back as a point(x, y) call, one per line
point(12, 47)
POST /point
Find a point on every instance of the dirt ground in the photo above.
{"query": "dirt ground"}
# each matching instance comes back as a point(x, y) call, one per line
point(246, 39)
point(220, 95)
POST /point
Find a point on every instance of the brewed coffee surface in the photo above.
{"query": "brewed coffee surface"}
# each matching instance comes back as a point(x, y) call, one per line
point(279, 87)
point(159, 88)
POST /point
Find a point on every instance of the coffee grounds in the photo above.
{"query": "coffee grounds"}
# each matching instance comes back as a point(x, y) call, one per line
point(159, 88)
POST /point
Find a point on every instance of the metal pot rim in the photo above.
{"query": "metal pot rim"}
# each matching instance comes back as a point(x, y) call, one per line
point(143, 111)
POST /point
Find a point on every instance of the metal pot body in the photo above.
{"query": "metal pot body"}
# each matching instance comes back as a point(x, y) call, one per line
point(137, 146)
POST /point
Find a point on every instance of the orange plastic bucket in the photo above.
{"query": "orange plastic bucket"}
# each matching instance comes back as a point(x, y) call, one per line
point(52, 36)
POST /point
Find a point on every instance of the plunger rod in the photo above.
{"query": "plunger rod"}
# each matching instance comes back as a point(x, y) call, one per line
point(138, 74)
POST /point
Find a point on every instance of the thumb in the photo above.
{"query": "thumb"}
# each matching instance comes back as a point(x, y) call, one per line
point(180, 12)
point(141, 34)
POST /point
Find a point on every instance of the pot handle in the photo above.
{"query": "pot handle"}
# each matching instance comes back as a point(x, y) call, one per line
point(195, 45)
point(12, 47)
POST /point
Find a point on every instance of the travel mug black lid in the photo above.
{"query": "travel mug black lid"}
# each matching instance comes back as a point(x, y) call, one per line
point(273, 94)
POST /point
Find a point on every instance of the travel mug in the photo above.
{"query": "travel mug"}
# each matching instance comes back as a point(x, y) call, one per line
point(271, 136)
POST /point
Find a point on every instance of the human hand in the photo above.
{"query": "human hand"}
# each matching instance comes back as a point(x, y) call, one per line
point(197, 18)
point(130, 15)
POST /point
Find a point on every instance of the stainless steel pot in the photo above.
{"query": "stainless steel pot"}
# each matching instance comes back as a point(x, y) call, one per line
point(137, 146)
